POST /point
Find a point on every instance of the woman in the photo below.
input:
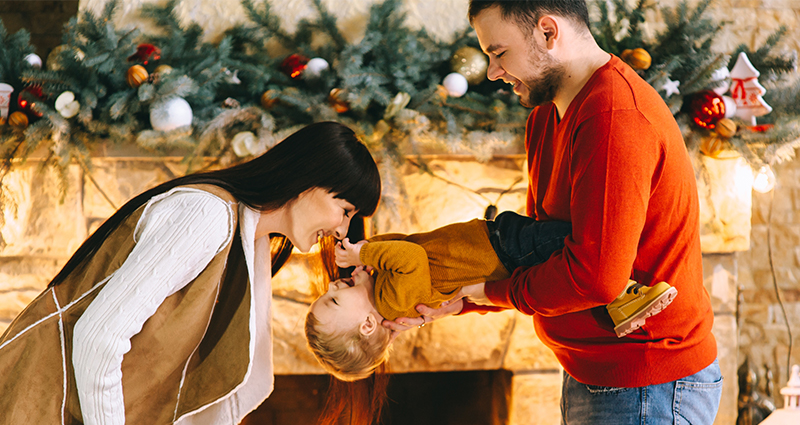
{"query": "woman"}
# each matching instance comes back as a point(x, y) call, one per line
point(163, 314)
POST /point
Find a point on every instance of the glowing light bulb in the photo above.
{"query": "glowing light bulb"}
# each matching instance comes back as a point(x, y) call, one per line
point(764, 180)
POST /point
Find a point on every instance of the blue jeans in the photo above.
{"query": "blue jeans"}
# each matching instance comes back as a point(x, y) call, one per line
point(692, 400)
point(521, 241)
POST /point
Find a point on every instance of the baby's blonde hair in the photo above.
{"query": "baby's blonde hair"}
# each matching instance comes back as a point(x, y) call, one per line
point(351, 355)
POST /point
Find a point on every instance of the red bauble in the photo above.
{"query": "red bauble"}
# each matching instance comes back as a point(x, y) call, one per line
point(145, 53)
point(27, 105)
point(294, 65)
point(707, 108)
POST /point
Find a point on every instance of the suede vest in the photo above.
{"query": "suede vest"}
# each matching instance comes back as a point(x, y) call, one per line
point(191, 352)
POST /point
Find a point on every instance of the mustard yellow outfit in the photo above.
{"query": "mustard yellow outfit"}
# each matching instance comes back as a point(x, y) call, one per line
point(429, 268)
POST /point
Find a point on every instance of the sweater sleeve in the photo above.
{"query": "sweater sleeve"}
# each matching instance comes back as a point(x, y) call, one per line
point(178, 235)
point(610, 177)
point(403, 279)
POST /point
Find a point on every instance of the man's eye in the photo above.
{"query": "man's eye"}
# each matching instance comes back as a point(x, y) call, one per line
point(500, 54)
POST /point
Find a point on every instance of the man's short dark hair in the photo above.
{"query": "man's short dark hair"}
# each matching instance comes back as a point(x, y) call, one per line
point(527, 13)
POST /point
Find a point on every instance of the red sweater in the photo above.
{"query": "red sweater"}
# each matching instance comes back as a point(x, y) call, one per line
point(616, 167)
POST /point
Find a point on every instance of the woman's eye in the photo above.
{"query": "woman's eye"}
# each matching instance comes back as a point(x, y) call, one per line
point(347, 213)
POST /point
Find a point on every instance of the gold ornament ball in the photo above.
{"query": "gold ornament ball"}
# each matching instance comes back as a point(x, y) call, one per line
point(53, 61)
point(337, 99)
point(137, 75)
point(269, 98)
point(726, 128)
point(18, 119)
point(637, 58)
point(162, 70)
point(471, 63)
point(712, 146)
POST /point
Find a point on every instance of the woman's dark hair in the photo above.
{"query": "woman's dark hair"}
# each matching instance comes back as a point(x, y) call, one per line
point(527, 13)
point(327, 155)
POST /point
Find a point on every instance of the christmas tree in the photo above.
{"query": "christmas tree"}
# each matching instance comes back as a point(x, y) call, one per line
point(403, 91)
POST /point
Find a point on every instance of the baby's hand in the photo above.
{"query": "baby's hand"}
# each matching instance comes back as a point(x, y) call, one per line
point(347, 254)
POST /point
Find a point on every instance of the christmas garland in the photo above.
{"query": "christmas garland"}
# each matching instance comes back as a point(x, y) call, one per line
point(401, 90)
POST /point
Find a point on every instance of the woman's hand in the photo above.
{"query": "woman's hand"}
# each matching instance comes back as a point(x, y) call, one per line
point(347, 254)
point(448, 308)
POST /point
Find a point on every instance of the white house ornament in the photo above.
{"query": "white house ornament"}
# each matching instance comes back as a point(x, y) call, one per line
point(746, 91)
point(456, 84)
point(671, 87)
point(721, 76)
point(170, 114)
point(5, 99)
point(33, 60)
point(315, 66)
point(66, 105)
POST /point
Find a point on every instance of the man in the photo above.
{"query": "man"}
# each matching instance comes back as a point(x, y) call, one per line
point(604, 153)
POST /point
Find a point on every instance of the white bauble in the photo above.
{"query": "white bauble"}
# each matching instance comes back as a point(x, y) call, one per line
point(456, 84)
point(730, 106)
point(66, 105)
point(33, 60)
point(244, 144)
point(315, 66)
point(169, 114)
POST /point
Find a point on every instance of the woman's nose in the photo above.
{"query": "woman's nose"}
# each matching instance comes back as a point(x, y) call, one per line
point(341, 230)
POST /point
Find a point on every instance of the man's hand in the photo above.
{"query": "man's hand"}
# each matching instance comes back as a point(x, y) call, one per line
point(347, 254)
point(448, 308)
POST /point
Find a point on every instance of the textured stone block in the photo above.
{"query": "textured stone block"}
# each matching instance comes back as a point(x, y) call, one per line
point(725, 187)
point(526, 351)
point(536, 398)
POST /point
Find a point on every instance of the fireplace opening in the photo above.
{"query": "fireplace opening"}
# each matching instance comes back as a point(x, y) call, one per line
point(480, 397)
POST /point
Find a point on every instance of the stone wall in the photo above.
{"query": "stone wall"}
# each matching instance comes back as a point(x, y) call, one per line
point(44, 20)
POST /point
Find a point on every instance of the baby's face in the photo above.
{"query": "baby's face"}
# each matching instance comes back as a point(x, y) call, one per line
point(347, 303)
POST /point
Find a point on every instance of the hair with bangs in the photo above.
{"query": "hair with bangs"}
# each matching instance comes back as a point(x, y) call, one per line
point(527, 13)
point(348, 356)
point(327, 155)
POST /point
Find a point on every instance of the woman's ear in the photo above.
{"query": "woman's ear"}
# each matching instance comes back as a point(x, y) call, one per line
point(369, 325)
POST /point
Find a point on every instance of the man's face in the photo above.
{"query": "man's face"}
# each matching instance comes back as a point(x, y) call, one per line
point(517, 59)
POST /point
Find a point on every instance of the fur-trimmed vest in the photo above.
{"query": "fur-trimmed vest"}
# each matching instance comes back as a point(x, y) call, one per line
point(190, 363)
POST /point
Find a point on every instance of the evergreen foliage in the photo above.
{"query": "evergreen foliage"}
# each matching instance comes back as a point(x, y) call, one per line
point(390, 81)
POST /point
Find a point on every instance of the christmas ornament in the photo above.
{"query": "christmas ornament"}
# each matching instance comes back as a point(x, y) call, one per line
point(726, 128)
point(232, 77)
point(471, 63)
point(294, 65)
point(315, 66)
point(5, 99)
point(746, 90)
point(671, 87)
point(162, 70)
point(145, 53)
point(137, 75)
point(269, 98)
point(764, 180)
point(712, 146)
point(66, 105)
point(706, 108)
point(721, 76)
point(442, 92)
point(456, 84)
point(244, 144)
point(231, 103)
point(54, 57)
point(338, 100)
point(637, 58)
point(18, 119)
point(398, 103)
point(33, 60)
point(25, 104)
point(170, 114)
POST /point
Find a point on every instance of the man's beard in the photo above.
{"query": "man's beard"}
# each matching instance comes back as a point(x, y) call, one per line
point(542, 89)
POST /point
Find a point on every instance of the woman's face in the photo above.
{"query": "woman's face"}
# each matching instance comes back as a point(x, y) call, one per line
point(317, 213)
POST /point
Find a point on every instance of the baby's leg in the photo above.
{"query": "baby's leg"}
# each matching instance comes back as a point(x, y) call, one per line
point(521, 241)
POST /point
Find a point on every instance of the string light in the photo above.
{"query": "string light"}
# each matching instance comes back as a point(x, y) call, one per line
point(764, 180)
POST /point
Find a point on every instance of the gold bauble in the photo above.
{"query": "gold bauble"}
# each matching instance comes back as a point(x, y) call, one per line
point(471, 63)
point(54, 62)
point(726, 128)
point(637, 58)
point(18, 119)
point(269, 98)
point(162, 70)
point(712, 146)
point(338, 100)
point(137, 75)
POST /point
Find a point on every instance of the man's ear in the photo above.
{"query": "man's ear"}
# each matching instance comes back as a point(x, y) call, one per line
point(549, 29)
point(369, 325)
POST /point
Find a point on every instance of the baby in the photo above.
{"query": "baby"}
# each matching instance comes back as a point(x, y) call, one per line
point(343, 326)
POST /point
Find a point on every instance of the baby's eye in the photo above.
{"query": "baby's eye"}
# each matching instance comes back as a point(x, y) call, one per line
point(334, 301)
